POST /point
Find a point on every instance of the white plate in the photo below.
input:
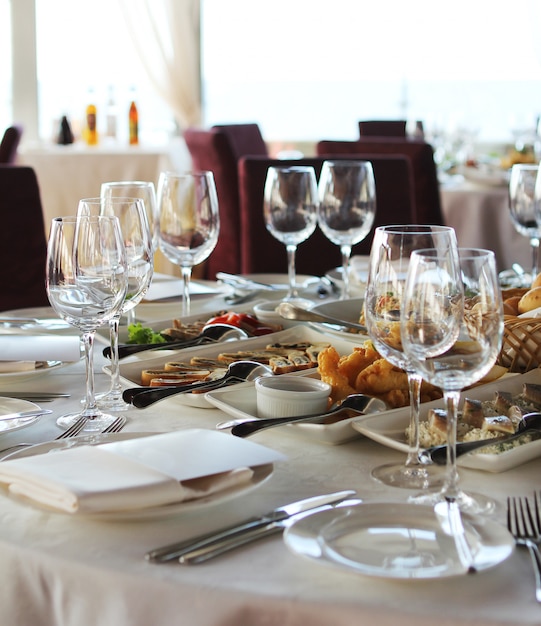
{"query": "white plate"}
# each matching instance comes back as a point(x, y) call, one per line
point(45, 366)
point(358, 275)
point(14, 405)
point(261, 474)
point(42, 320)
point(388, 428)
point(490, 176)
point(240, 402)
point(397, 541)
point(131, 367)
point(347, 310)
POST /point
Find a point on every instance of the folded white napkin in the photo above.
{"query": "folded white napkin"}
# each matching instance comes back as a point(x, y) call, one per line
point(136, 473)
point(40, 348)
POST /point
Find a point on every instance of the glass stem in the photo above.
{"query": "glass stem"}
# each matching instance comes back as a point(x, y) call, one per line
point(186, 277)
point(450, 488)
point(534, 242)
point(291, 271)
point(414, 384)
point(91, 408)
point(346, 254)
point(116, 387)
point(130, 317)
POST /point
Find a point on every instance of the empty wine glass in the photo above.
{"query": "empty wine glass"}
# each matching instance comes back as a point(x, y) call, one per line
point(290, 211)
point(188, 222)
point(135, 233)
point(389, 260)
point(86, 284)
point(347, 206)
point(522, 206)
point(452, 328)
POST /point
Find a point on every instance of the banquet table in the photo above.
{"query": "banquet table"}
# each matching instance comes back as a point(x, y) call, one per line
point(62, 570)
point(480, 216)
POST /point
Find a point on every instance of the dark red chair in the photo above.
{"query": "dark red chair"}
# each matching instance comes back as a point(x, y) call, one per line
point(382, 128)
point(262, 253)
point(10, 143)
point(421, 155)
point(245, 139)
point(23, 244)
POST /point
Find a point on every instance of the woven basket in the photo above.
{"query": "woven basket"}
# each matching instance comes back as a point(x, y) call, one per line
point(521, 348)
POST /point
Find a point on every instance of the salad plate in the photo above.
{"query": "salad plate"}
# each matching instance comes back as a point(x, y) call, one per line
point(347, 310)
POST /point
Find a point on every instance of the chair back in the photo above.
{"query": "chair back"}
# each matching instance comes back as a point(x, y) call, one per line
point(261, 252)
point(10, 143)
point(23, 244)
point(245, 139)
point(382, 128)
point(421, 155)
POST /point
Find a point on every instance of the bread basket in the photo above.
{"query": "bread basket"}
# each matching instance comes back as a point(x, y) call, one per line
point(521, 347)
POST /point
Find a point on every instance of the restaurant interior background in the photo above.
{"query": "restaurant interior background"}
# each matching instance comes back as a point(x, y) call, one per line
point(305, 70)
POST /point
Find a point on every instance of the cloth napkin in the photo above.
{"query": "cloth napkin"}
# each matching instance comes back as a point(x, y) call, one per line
point(136, 473)
point(31, 348)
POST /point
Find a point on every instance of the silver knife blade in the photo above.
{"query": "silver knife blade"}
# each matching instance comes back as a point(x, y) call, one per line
point(246, 283)
point(176, 550)
point(231, 543)
point(33, 395)
point(24, 414)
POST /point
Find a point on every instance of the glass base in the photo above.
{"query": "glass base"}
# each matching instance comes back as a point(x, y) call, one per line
point(410, 476)
point(112, 401)
point(472, 503)
point(96, 421)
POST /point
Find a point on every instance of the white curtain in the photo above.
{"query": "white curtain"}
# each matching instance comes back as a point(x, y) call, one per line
point(166, 34)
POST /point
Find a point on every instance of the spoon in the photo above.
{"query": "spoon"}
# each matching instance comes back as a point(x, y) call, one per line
point(291, 312)
point(357, 402)
point(238, 371)
point(438, 454)
point(209, 334)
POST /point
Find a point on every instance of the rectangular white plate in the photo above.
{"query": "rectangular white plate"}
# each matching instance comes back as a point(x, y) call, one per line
point(388, 428)
point(131, 367)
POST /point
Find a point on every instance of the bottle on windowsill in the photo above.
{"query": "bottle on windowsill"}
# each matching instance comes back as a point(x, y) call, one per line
point(91, 130)
point(133, 124)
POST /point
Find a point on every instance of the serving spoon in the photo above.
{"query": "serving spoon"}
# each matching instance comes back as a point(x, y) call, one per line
point(238, 371)
point(531, 422)
point(291, 312)
point(357, 402)
point(209, 334)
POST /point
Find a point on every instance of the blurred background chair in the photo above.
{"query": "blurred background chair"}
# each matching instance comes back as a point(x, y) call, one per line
point(421, 155)
point(23, 244)
point(10, 143)
point(262, 253)
point(382, 128)
point(244, 139)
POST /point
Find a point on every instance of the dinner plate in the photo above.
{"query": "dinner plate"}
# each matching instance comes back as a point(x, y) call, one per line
point(396, 541)
point(358, 275)
point(41, 367)
point(131, 367)
point(14, 405)
point(388, 428)
point(347, 310)
point(240, 402)
point(260, 475)
point(43, 320)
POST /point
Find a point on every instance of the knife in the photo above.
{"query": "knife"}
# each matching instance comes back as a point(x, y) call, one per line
point(177, 550)
point(42, 396)
point(202, 555)
point(247, 283)
point(24, 414)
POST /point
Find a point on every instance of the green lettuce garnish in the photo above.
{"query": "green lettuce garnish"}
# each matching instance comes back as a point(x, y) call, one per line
point(137, 333)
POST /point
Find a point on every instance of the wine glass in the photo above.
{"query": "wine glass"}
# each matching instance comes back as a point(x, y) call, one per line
point(146, 192)
point(522, 206)
point(86, 284)
point(347, 206)
point(290, 211)
point(188, 222)
point(389, 260)
point(137, 240)
point(452, 329)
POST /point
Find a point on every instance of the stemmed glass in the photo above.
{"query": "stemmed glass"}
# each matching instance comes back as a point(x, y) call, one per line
point(347, 206)
point(522, 206)
point(137, 240)
point(146, 192)
point(188, 222)
point(290, 211)
point(389, 260)
point(452, 328)
point(86, 283)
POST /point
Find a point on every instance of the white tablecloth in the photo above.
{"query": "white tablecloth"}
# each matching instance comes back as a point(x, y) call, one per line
point(480, 216)
point(60, 571)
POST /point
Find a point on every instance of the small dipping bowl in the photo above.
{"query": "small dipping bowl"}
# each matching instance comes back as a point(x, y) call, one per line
point(290, 396)
point(266, 312)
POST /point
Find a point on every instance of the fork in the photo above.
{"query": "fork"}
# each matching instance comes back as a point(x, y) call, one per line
point(524, 526)
point(116, 426)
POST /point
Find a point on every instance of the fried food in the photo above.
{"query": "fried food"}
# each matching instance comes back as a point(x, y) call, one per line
point(328, 360)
